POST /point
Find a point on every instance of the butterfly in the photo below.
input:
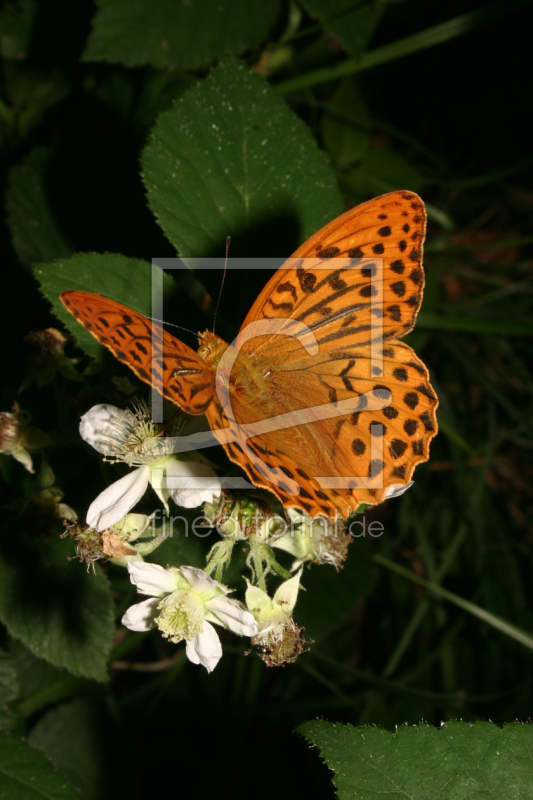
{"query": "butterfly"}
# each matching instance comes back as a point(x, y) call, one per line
point(317, 399)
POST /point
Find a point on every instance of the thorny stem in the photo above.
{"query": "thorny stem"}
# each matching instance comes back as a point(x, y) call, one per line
point(219, 557)
point(262, 554)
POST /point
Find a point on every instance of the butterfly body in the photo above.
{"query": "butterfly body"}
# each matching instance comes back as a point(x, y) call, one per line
point(324, 405)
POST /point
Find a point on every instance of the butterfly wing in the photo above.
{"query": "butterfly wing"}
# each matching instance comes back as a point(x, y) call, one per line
point(155, 356)
point(376, 276)
point(375, 392)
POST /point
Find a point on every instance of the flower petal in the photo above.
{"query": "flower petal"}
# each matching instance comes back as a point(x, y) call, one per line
point(200, 581)
point(140, 617)
point(205, 648)
point(23, 457)
point(191, 483)
point(115, 501)
point(287, 542)
point(397, 490)
point(102, 426)
point(151, 578)
point(233, 616)
point(158, 482)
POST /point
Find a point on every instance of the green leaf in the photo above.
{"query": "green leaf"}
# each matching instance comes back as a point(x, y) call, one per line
point(230, 158)
point(352, 23)
point(346, 125)
point(382, 170)
point(9, 690)
point(16, 23)
point(71, 738)
point(55, 607)
point(36, 234)
point(9, 686)
point(33, 674)
point(330, 595)
point(127, 280)
point(457, 761)
point(169, 34)
point(26, 774)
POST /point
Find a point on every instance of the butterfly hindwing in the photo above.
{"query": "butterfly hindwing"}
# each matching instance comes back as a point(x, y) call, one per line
point(345, 458)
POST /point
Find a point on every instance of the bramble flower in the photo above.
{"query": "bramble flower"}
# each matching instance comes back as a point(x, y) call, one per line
point(183, 603)
point(118, 543)
point(17, 436)
point(314, 539)
point(279, 639)
point(132, 437)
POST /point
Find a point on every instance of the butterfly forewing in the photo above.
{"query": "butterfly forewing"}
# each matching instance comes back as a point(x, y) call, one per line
point(359, 277)
point(156, 357)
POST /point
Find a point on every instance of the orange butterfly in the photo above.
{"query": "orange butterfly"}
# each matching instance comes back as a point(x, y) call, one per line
point(316, 399)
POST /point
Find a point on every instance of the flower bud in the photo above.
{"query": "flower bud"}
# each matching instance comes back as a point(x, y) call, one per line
point(117, 543)
point(244, 518)
point(17, 436)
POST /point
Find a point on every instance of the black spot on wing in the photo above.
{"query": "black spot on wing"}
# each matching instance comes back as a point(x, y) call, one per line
point(287, 286)
point(411, 400)
point(400, 374)
point(394, 313)
point(375, 467)
point(328, 252)
point(398, 288)
point(426, 420)
point(410, 426)
point(397, 448)
point(390, 412)
point(358, 446)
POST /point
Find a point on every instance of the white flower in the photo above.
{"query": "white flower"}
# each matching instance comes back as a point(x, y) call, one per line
point(135, 439)
point(183, 602)
point(313, 539)
point(279, 638)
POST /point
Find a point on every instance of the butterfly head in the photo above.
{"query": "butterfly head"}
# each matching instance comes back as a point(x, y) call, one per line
point(211, 348)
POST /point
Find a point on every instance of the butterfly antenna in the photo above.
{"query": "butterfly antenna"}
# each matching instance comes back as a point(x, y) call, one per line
point(169, 324)
point(228, 242)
